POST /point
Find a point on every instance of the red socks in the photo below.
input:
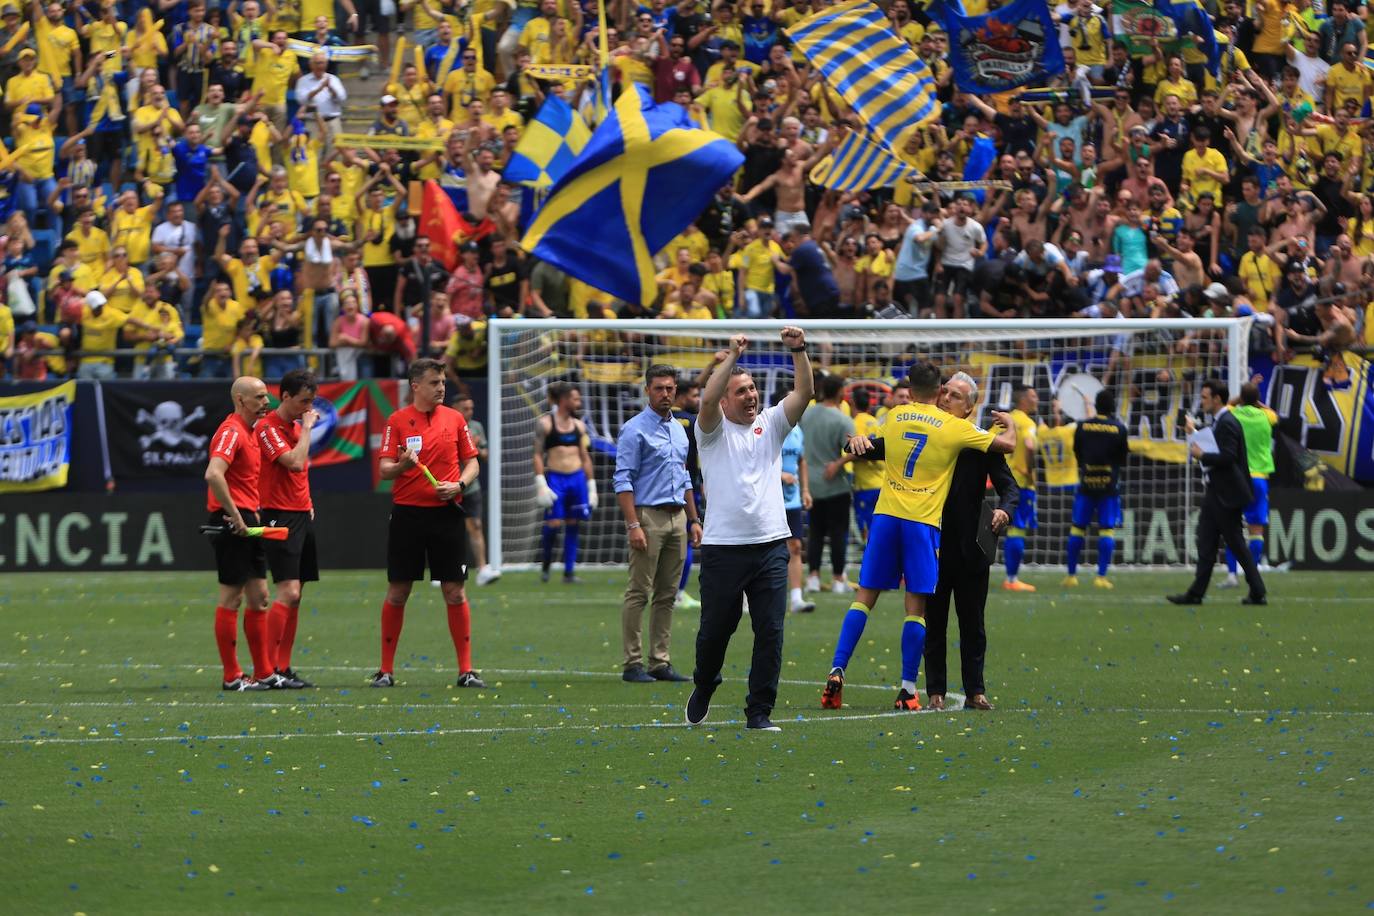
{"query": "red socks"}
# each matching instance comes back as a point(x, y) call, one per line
point(226, 633)
point(393, 616)
point(255, 629)
point(460, 628)
point(281, 633)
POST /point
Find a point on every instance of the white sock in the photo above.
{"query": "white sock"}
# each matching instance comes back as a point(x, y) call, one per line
point(909, 687)
point(1011, 578)
point(797, 596)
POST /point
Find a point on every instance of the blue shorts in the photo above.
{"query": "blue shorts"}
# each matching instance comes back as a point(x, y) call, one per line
point(1025, 511)
point(900, 549)
point(1105, 509)
point(865, 501)
point(1257, 513)
point(71, 93)
point(570, 496)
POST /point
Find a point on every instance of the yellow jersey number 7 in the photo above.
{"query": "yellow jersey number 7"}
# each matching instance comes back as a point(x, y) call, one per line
point(918, 441)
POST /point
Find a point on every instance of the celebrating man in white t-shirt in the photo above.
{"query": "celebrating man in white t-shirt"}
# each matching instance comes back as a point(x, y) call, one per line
point(744, 549)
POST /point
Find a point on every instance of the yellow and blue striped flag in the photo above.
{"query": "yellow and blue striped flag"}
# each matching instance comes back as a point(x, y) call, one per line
point(874, 70)
point(549, 145)
point(858, 164)
point(645, 174)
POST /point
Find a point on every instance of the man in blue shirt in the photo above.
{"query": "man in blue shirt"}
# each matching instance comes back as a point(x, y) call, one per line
point(653, 489)
point(911, 272)
point(796, 496)
point(193, 162)
point(812, 280)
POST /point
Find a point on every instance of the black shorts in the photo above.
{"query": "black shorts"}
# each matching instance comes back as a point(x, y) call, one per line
point(238, 559)
point(105, 146)
point(436, 536)
point(370, 18)
point(190, 86)
point(794, 523)
point(293, 558)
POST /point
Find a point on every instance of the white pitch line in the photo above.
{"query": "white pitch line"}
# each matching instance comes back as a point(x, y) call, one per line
point(495, 730)
point(523, 672)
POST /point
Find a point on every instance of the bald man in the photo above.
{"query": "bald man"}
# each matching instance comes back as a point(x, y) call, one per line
point(241, 561)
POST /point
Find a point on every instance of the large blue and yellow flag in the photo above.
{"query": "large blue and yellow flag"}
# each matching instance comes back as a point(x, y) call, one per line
point(645, 174)
point(548, 146)
point(1192, 19)
point(858, 164)
point(874, 70)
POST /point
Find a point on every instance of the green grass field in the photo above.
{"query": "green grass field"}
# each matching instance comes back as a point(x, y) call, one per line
point(1142, 757)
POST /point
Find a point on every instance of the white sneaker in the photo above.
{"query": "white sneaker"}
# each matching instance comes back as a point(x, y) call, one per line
point(685, 602)
point(364, 71)
point(487, 575)
point(840, 587)
point(1231, 582)
point(745, 603)
point(435, 582)
point(813, 583)
point(1283, 567)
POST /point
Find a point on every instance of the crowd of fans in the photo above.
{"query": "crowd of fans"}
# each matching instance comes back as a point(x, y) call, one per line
point(180, 159)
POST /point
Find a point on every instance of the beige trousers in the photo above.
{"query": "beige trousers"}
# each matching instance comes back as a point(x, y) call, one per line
point(654, 576)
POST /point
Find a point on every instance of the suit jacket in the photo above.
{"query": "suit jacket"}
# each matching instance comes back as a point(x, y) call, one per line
point(959, 526)
point(1228, 468)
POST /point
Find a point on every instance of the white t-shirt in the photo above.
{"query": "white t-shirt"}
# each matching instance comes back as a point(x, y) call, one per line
point(183, 236)
point(959, 242)
point(741, 467)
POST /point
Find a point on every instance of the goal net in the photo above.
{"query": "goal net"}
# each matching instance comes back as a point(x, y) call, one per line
point(1154, 367)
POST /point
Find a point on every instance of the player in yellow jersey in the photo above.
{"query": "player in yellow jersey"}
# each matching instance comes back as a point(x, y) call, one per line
point(868, 475)
point(1058, 466)
point(1024, 402)
point(921, 443)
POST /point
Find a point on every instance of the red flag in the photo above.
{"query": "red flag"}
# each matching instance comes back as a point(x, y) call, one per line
point(439, 222)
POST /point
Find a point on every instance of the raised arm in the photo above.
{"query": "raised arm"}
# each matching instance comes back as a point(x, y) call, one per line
point(714, 389)
point(803, 383)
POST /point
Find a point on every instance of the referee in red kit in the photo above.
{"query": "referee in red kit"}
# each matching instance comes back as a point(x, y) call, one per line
point(284, 439)
point(241, 561)
point(427, 520)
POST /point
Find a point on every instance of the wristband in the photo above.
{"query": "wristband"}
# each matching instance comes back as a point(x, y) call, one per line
point(801, 349)
point(632, 526)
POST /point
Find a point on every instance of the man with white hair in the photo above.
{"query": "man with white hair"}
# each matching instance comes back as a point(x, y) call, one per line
point(964, 563)
point(324, 92)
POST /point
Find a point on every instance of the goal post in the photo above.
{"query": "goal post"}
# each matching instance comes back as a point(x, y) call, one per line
point(1155, 368)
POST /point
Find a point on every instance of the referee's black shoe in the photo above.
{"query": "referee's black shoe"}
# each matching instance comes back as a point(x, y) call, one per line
point(762, 723)
point(471, 679)
point(291, 675)
point(382, 679)
point(699, 704)
point(288, 681)
point(1184, 598)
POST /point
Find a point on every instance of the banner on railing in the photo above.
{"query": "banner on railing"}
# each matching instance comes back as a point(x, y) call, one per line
point(162, 429)
point(36, 439)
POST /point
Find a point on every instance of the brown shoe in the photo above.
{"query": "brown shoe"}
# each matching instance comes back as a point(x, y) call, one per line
point(977, 701)
point(937, 701)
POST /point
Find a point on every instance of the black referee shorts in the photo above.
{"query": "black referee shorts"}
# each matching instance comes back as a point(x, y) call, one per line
point(238, 559)
point(293, 558)
point(433, 535)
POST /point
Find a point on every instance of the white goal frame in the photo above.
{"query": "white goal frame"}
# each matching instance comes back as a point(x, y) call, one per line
point(1237, 332)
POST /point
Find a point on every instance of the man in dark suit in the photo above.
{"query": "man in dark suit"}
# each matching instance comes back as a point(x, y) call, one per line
point(963, 564)
point(1228, 493)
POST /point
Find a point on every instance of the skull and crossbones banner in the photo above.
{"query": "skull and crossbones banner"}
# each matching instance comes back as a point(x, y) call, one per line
point(162, 430)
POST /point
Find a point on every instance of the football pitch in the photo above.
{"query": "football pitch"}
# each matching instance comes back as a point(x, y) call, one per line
point(1141, 757)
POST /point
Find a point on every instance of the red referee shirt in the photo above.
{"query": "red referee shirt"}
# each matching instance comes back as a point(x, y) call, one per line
point(280, 487)
point(440, 439)
point(235, 443)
